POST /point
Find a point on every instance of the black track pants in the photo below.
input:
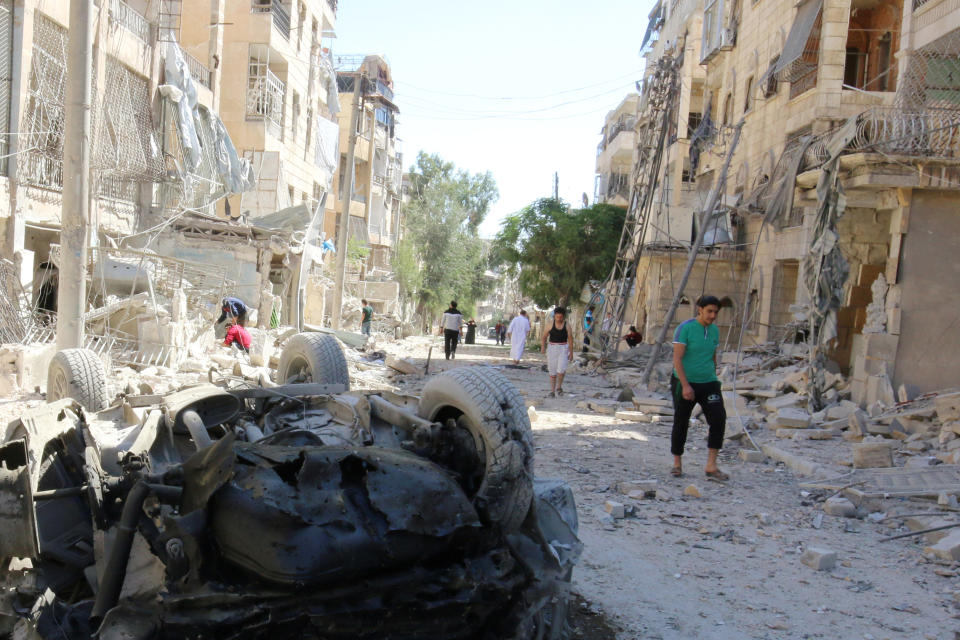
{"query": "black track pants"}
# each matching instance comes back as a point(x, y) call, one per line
point(708, 395)
point(450, 342)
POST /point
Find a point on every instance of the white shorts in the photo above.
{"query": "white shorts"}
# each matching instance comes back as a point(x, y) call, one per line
point(557, 355)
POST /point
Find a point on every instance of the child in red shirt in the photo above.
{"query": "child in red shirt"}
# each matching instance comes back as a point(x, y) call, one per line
point(238, 334)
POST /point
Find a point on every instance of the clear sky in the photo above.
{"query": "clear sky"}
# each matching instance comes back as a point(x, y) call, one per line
point(518, 88)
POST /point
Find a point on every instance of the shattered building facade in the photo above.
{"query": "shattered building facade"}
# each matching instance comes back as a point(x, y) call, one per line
point(179, 217)
point(375, 205)
point(833, 222)
point(615, 153)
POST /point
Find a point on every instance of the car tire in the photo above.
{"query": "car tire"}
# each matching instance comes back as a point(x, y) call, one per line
point(317, 356)
point(484, 402)
point(78, 374)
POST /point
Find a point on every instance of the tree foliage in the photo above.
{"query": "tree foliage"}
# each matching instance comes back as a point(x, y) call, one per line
point(553, 249)
point(441, 256)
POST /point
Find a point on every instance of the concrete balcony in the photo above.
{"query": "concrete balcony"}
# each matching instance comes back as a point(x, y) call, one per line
point(620, 149)
point(933, 19)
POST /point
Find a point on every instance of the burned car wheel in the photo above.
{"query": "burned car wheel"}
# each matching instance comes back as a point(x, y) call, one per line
point(490, 430)
point(313, 357)
point(78, 374)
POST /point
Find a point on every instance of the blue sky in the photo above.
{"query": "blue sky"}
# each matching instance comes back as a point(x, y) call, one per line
point(518, 88)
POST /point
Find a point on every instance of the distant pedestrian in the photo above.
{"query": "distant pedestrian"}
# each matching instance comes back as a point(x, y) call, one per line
point(503, 334)
point(233, 308)
point(694, 381)
point(518, 330)
point(496, 332)
point(633, 338)
point(238, 336)
point(587, 327)
point(557, 343)
point(366, 317)
point(450, 323)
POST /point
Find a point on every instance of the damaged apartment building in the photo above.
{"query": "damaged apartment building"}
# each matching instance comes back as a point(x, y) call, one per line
point(834, 222)
point(214, 142)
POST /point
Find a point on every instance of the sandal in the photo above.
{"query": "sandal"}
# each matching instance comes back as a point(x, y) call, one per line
point(676, 472)
point(551, 395)
point(559, 392)
point(717, 476)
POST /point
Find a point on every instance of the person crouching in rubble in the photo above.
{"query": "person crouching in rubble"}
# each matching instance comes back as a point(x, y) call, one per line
point(694, 381)
point(233, 308)
point(238, 335)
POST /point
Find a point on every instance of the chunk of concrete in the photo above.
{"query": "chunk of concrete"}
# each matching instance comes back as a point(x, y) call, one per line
point(819, 558)
point(842, 411)
point(615, 509)
point(857, 423)
point(921, 523)
point(782, 402)
point(870, 455)
point(840, 507)
point(947, 549)
point(948, 406)
point(632, 416)
point(692, 491)
point(792, 418)
point(403, 366)
point(605, 407)
point(751, 455)
point(643, 486)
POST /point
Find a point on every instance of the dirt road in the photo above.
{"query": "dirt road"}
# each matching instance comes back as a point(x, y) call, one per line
point(726, 564)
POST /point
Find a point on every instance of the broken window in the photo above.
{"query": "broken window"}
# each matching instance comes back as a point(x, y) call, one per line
point(42, 164)
point(265, 93)
point(727, 109)
point(295, 116)
point(801, 52)
point(712, 28)
point(872, 37)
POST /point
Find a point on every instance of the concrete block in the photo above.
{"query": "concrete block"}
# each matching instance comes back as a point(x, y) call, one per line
point(879, 389)
point(858, 422)
point(870, 455)
point(921, 462)
point(751, 455)
point(819, 558)
point(948, 406)
point(605, 407)
point(615, 509)
point(782, 402)
point(948, 548)
point(879, 429)
point(643, 486)
point(632, 416)
point(919, 523)
point(880, 346)
point(792, 418)
point(840, 507)
point(841, 411)
point(819, 434)
point(864, 366)
point(403, 366)
point(893, 321)
point(261, 347)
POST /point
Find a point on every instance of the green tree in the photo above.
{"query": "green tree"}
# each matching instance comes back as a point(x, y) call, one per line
point(553, 249)
point(441, 257)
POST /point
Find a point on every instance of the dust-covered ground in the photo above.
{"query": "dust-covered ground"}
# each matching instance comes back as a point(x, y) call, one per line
point(722, 565)
point(725, 564)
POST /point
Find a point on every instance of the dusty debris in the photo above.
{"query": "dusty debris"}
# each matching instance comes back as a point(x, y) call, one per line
point(403, 366)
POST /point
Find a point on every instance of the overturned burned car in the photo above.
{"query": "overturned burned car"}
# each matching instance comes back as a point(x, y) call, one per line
point(237, 511)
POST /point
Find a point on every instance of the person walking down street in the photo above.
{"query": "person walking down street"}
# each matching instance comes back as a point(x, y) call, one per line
point(233, 308)
point(503, 333)
point(557, 343)
point(450, 323)
point(366, 318)
point(518, 330)
point(496, 332)
point(587, 327)
point(238, 336)
point(695, 381)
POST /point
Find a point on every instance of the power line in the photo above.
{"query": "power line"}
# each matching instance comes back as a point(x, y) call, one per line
point(541, 97)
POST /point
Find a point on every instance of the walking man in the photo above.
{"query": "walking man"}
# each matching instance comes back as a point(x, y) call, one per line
point(695, 381)
point(366, 318)
point(519, 328)
point(451, 322)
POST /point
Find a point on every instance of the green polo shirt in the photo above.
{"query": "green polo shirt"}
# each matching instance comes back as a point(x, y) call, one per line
point(701, 343)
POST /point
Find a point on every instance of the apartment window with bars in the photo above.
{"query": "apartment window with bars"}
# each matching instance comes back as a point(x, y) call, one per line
point(295, 115)
point(265, 93)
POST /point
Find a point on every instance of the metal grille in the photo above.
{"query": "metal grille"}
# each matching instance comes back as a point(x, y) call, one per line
point(125, 138)
point(42, 163)
point(169, 21)
point(14, 305)
point(264, 94)
point(186, 187)
point(932, 76)
point(125, 15)
point(6, 78)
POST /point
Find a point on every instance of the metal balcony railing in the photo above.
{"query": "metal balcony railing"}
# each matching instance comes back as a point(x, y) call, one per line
point(128, 17)
point(934, 133)
point(333, 6)
point(265, 97)
point(198, 70)
point(281, 15)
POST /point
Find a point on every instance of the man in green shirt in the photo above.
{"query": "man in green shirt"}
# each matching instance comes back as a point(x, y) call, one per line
point(695, 381)
point(366, 318)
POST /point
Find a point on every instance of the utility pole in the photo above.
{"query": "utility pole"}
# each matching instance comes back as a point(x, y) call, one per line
point(556, 185)
point(692, 256)
point(75, 214)
point(347, 196)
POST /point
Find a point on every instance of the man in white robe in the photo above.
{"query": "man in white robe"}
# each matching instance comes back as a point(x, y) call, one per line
point(518, 330)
